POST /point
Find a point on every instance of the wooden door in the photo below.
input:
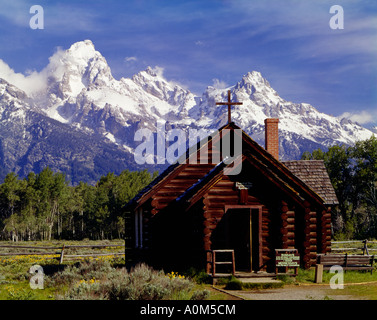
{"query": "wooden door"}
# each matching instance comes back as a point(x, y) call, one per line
point(243, 237)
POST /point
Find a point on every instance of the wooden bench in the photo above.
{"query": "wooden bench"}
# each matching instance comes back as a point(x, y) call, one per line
point(346, 261)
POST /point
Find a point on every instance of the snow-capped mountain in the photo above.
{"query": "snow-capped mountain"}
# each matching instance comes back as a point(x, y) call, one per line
point(81, 95)
point(30, 141)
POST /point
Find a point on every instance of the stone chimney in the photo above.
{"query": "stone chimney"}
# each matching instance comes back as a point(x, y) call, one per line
point(272, 136)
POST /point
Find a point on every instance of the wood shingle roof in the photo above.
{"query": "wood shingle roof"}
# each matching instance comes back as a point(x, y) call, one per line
point(315, 176)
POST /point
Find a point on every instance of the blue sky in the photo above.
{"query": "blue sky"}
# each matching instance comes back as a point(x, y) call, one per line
point(199, 43)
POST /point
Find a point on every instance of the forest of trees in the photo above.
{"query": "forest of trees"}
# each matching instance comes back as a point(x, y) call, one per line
point(44, 206)
point(353, 173)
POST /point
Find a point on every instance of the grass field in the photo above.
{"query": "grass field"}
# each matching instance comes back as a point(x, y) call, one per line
point(104, 277)
point(14, 270)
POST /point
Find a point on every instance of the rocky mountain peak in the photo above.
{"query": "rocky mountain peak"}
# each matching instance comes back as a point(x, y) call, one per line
point(84, 49)
point(9, 92)
point(83, 97)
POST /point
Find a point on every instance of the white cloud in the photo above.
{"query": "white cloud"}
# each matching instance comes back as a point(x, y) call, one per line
point(362, 117)
point(32, 82)
point(218, 84)
point(158, 71)
point(130, 59)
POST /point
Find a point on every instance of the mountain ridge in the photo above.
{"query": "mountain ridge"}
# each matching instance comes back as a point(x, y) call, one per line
point(81, 95)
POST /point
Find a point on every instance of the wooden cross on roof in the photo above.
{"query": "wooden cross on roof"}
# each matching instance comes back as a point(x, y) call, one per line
point(229, 104)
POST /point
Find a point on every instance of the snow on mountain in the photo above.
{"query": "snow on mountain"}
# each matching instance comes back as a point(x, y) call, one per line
point(260, 101)
point(82, 93)
point(13, 102)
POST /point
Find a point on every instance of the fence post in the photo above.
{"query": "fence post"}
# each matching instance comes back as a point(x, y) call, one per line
point(318, 273)
point(61, 255)
point(365, 249)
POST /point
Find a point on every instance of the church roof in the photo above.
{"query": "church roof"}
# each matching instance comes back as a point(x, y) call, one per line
point(300, 179)
point(314, 174)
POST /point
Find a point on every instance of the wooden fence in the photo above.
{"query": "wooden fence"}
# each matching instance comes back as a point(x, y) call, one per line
point(361, 245)
point(62, 253)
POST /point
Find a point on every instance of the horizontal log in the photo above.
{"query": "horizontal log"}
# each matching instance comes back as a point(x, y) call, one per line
point(196, 166)
point(311, 235)
point(290, 234)
point(184, 181)
point(166, 199)
point(310, 229)
point(265, 229)
point(29, 253)
point(207, 246)
point(208, 223)
point(311, 248)
point(220, 205)
point(92, 255)
point(190, 175)
point(216, 192)
point(290, 220)
point(326, 216)
point(207, 231)
point(310, 241)
point(159, 206)
point(285, 238)
point(290, 242)
point(216, 211)
point(29, 247)
point(224, 197)
point(225, 183)
point(170, 191)
point(307, 216)
point(311, 220)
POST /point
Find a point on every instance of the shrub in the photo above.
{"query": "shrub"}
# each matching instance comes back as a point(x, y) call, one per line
point(234, 284)
point(200, 295)
point(141, 283)
point(19, 294)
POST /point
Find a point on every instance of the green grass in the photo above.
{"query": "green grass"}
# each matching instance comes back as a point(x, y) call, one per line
point(368, 292)
point(307, 276)
point(21, 290)
point(14, 270)
point(75, 280)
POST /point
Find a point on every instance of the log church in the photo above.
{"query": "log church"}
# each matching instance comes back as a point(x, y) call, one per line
point(192, 209)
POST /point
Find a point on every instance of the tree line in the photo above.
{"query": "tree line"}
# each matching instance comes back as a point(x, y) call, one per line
point(44, 206)
point(353, 173)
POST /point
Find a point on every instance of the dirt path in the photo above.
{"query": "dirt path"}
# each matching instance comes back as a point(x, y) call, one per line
point(294, 292)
